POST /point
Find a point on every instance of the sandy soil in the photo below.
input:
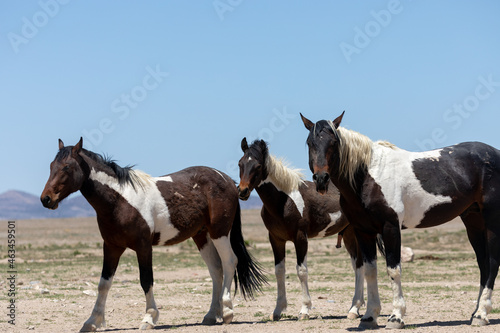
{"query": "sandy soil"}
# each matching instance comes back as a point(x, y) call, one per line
point(58, 267)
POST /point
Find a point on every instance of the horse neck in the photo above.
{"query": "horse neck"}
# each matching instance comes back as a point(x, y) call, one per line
point(92, 190)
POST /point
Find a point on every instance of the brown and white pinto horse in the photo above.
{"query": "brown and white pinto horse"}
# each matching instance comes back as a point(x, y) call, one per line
point(293, 211)
point(385, 189)
point(137, 211)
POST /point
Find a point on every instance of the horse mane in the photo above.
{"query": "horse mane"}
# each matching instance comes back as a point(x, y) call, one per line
point(355, 152)
point(278, 171)
point(124, 175)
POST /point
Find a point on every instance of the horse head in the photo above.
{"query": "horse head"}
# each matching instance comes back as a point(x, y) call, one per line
point(252, 167)
point(66, 175)
point(323, 142)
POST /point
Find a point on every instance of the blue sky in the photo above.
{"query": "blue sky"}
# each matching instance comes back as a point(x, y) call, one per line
point(170, 84)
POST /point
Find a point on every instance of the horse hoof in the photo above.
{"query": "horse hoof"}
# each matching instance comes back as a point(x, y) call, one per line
point(146, 326)
point(303, 316)
point(396, 324)
point(352, 315)
point(209, 321)
point(368, 324)
point(476, 321)
point(228, 317)
point(88, 328)
point(275, 317)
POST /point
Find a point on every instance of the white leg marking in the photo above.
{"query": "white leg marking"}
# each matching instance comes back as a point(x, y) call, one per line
point(373, 304)
point(229, 261)
point(306, 298)
point(152, 312)
point(96, 319)
point(212, 259)
point(398, 301)
point(281, 302)
point(484, 307)
point(358, 299)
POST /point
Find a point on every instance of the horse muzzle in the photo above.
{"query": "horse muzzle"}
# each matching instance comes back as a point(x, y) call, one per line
point(48, 202)
point(321, 180)
point(243, 194)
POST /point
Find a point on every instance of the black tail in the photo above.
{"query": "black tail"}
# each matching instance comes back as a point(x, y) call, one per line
point(380, 245)
point(249, 271)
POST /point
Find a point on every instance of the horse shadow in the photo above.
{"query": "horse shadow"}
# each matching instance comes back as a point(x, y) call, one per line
point(434, 323)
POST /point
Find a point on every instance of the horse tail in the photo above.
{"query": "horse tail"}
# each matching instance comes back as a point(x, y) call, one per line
point(248, 270)
point(380, 245)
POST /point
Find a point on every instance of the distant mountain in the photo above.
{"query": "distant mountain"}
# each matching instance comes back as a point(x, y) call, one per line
point(18, 205)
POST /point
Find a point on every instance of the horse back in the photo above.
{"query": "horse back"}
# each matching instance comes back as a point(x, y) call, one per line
point(196, 197)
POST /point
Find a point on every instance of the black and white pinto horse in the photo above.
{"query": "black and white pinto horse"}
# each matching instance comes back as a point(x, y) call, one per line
point(293, 211)
point(385, 189)
point(136, 211)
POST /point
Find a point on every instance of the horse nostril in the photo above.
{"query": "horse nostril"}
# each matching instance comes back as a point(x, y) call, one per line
point(46, 200)
point(315, 177)
point(327, 177)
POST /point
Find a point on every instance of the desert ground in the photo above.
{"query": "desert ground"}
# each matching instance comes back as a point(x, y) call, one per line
point(58, 265)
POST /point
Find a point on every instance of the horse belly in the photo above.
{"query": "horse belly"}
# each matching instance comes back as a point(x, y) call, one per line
point(420, 204)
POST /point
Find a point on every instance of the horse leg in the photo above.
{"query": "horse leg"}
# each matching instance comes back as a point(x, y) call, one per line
point(110, 263)
point(476, 233)
point(212, 259)
point(278, 246)
point(392, 241)
point(145, 260)
point(491, 238)
point(357, 265)
point(369, 250)
point(301, 245)
point(229, 262)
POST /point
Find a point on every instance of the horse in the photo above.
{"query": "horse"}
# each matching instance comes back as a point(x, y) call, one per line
point(384, 189)
point(293, 211)
point(137, 211)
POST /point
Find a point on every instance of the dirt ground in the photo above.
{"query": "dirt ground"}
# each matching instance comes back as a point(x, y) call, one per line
point(58, 264)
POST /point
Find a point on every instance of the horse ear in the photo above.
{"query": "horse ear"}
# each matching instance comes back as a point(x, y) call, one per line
point(78, 147)
point(244, 144)
point(337, 120)
point(307, 123)
point(61, 144)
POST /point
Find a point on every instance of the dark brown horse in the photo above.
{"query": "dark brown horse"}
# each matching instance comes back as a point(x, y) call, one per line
point(385, 189)
point(293, 211)
point(137, 211)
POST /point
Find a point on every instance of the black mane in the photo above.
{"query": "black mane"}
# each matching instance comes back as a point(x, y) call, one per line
point(259, 150)
point(123, 174)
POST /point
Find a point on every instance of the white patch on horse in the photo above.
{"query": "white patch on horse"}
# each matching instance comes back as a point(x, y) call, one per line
point(147, 200)
point(220, 174)
point(195, 185)
point(166, 179)
point(392, 170)
point(249, 158)
point(334, 218)
point(298, 201)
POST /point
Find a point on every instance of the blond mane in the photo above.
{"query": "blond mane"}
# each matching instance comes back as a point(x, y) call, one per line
point(355, 152)
point(138, 177)
point(282, 176)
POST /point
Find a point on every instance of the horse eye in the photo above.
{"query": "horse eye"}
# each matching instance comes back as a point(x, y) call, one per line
point(65, 168)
